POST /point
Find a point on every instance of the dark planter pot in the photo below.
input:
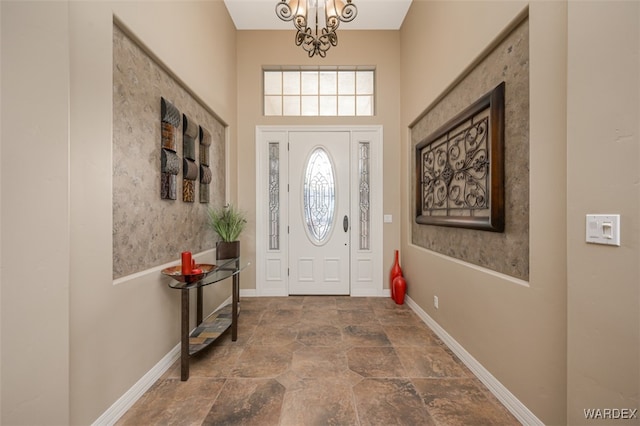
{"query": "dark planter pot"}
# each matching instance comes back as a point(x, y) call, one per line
point(227, 249)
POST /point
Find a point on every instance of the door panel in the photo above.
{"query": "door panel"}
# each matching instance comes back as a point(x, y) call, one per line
point(319, 200)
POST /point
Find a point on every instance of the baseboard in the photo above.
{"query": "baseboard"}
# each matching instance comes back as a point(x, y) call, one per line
point(367, 292)
point(280, 293)
point(509, 400)
point(126, 401)
point(247, 292)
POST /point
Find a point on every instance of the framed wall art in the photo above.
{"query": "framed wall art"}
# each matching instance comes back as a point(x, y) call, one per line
point(460, 168)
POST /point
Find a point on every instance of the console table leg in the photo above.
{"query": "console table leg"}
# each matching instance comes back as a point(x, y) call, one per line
point(199, 306)
point(184, 342)
point(235, 296)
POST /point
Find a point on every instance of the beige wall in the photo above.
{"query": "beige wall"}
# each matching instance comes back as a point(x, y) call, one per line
point(603, 164)
point(263, 48)
point(514, 329)
point(83, 342)
point(34, 315)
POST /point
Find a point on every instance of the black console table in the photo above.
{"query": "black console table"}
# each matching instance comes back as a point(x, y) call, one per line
point(212, 327)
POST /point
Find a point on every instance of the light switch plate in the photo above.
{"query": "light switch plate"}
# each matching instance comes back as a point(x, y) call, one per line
point(603, 229)
point(388, 218)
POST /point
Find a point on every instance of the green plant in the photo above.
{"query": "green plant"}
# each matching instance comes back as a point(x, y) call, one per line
point(228, 222)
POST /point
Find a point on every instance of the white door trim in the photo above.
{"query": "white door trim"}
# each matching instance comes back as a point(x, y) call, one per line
point(271, 264)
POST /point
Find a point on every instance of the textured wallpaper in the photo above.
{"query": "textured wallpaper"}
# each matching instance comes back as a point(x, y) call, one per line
point(506, 252)
point(147, 230)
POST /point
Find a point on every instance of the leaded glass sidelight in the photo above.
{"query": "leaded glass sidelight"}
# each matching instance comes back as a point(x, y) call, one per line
point(364, 195)
point(274, 196)
point(319, 195)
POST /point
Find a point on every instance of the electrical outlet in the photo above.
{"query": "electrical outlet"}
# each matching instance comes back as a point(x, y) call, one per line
point(435, 302)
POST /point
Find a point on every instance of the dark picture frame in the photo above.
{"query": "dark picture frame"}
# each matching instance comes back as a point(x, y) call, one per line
point(460, 168)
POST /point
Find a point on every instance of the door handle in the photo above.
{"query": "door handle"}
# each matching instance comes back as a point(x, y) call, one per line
point(345, 223)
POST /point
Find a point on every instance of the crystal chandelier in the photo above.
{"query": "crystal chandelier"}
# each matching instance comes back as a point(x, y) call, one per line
point(301, 12)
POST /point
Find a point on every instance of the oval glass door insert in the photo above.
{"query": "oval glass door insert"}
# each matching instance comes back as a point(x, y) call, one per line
point(319, 195)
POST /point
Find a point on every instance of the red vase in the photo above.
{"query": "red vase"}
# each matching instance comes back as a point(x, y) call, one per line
point(399, 289)
point(396, 271)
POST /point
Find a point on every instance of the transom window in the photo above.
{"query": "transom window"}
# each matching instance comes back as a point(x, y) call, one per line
point(319, 92)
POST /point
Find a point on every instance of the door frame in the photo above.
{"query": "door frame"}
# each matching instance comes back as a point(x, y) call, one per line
point(366, 266)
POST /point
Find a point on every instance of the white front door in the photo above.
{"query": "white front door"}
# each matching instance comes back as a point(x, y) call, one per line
point(308, 252)
point(319, 212)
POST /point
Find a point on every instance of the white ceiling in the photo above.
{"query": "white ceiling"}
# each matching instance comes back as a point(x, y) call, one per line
point(372, 15)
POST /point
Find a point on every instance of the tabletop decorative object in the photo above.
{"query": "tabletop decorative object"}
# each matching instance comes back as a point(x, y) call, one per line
point(200, 271)
point(187, 262)
point(228, 222)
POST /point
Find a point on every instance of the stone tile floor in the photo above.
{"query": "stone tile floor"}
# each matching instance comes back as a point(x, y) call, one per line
point(322, 360)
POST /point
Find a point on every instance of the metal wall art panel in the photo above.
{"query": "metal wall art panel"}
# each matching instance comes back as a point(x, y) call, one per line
point(189, 169)
point(460, 168)
point(170, 167)
point(188, 191)
point(205, 143)
point(205, 171)
point(170, 162)
point(169, 133)
point(189, 174)
point(190, 133)
point(205, 180)
point(169, 113)
point(168, 186)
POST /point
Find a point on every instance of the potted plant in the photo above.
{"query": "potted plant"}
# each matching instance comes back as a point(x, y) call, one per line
point(228, 222)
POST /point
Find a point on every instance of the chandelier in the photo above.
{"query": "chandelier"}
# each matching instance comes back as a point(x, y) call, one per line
point(301, 12)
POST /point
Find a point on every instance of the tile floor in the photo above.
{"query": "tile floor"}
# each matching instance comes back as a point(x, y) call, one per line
point(320, 360)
